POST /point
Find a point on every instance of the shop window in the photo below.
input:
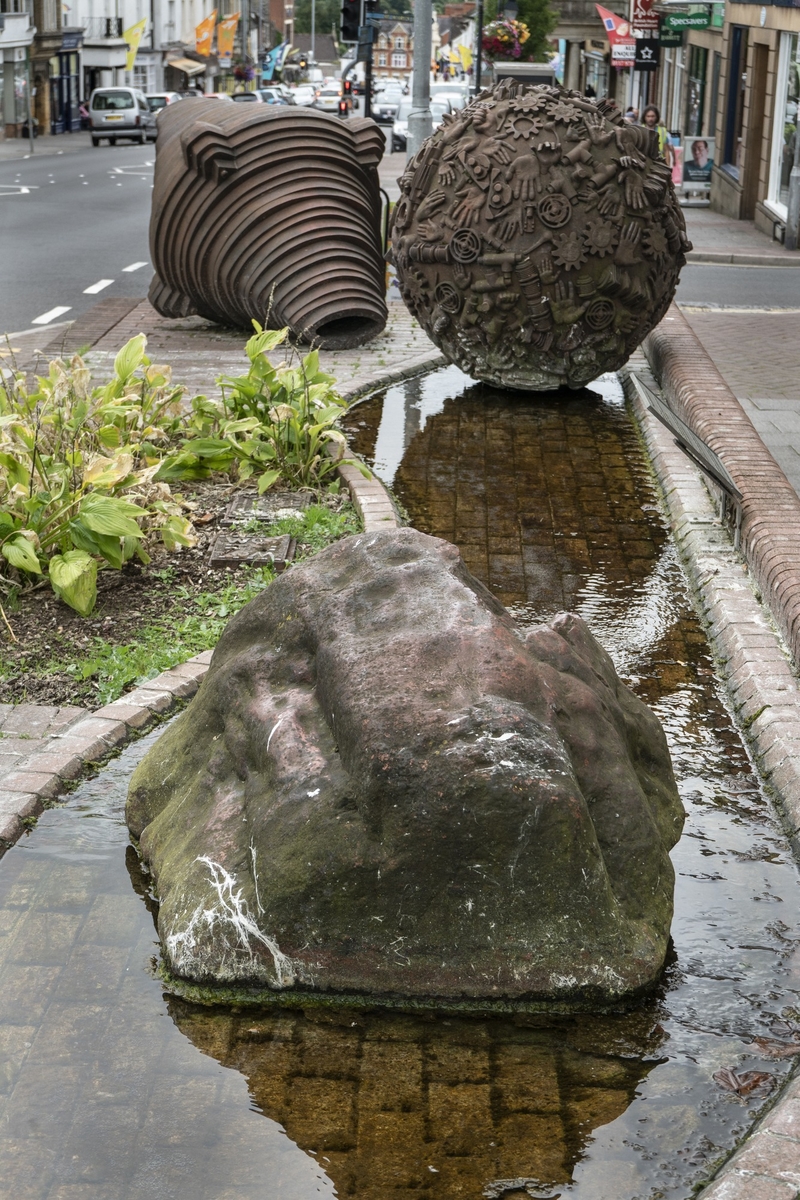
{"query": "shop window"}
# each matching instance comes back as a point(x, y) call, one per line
point(714, 104)
point(696, 93)
point(734, 106)
point(784, 133)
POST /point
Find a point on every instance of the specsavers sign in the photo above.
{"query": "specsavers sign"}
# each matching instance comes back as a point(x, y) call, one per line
point(679, 21)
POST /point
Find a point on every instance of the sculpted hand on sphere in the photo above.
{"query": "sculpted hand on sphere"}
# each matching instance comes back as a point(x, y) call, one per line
point(523, 175)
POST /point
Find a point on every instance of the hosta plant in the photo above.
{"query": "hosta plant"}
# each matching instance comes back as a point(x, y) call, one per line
point(274, 423)
point(77, 467)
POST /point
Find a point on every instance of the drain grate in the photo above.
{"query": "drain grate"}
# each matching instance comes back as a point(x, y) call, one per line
point(271, 507)
point(232, 549)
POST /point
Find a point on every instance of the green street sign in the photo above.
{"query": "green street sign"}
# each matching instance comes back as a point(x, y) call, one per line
point(670, 37)
point(688, 20)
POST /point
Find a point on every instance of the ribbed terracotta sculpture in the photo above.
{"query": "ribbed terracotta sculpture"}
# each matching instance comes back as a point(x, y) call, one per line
point(538, 237)
point(272, 214)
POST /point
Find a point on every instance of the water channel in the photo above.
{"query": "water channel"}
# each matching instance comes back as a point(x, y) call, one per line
point(109, 1087)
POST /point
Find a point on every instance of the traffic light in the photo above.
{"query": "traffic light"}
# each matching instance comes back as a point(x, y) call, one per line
point(303, 63)
point(351, 19)
point(344, 107)
point(348, 88)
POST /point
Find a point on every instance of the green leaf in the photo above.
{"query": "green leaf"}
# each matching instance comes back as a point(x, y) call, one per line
point(109, 436)
point(266, 481)
point(130, 357)
point(21, 554)
point(74, 578)
point(311, 363)
point(109, 514)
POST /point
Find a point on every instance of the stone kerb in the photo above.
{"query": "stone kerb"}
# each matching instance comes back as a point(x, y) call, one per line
point(771, 508)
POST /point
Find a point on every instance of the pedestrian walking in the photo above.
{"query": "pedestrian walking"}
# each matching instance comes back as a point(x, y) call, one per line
point(651, 117)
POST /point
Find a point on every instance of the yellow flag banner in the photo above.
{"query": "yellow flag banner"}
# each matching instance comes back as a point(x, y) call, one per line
point(226, 35)
point(204, 35)
point(465, 54)
point(133, 36)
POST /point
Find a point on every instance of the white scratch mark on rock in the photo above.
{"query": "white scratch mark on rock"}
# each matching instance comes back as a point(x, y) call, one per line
point(228, 916)
point(272, 731)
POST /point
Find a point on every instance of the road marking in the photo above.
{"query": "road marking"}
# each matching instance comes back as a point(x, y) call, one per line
point(97, 287)
point(135, 266)
point(17, 189)
point(51, 315)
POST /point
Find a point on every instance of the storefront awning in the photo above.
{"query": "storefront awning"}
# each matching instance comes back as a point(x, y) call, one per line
point(187, 66)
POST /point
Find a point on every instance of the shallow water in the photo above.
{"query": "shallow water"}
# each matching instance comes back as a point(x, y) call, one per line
point(108, 1088)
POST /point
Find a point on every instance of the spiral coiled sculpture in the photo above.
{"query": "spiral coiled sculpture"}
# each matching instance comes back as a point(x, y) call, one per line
point(269, 214)
point(538, 237)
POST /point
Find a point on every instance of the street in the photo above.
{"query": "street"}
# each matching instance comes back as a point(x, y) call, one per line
point(72, 222)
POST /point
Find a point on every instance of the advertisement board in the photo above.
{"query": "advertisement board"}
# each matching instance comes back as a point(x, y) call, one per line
point(698, 159)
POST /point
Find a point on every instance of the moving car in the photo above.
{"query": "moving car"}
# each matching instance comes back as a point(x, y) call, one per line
point(305, 95)
point(275, 95)
point(121, 112)
point(328, 99)
point(384, 110)
point(400, 126)
point(456, 93)
point(158, 100)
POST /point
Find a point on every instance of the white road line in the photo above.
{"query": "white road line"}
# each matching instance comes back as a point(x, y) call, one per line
point(97, 287)
point(47, 317)
point(135, 266)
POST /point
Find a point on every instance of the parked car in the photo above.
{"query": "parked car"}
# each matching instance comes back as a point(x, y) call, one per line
point(456, 93)
point(217, 96)
point(400, 126)
point(248, 98)
point(120, 112)
point(328, 99)
point(305, 95)
point(158, 100)
point(384, 110)
point(275, 95)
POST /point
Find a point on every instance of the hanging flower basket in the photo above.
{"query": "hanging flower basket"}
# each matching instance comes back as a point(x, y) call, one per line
point(504, 39)
point(244, 72)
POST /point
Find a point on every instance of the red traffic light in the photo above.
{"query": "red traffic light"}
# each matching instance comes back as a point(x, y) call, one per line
point(344, 107)
point(348, 87)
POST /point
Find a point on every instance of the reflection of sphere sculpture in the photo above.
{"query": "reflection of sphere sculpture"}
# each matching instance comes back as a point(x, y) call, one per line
point(269, 213)
point(538, 237)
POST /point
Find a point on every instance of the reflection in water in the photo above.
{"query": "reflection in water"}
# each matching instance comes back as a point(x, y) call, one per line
point(100, 1095)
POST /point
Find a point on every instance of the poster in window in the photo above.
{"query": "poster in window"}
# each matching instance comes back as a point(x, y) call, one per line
point(698, 159)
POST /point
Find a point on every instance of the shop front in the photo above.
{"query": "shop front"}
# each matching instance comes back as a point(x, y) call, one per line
point(16, 35)
point(65, 89)
point(784, 132)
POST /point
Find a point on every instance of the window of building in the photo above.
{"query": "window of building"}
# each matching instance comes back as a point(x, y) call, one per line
point(398, 60)
point(734, 104)
point(383, 41)
point(784, 133)
point(381, 60)
point(399, 43)
point(696, 92)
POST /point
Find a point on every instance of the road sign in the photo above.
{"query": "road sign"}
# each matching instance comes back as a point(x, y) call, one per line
point(688, 20)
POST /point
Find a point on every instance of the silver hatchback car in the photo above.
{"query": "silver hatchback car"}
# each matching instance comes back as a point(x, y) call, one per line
point(121, 112)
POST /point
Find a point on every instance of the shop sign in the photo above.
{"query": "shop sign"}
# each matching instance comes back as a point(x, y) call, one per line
point(646, 54)
point(643, 17)
point(669, 37)
point(72, 40)
point(698, 159)
point(717, 16)
point(623, 53)
point(676, 21)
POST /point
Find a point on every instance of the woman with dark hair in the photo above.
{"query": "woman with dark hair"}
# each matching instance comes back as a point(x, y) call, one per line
point(651, 117)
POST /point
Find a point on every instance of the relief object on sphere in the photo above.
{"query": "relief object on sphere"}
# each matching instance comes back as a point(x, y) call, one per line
point(538, 238)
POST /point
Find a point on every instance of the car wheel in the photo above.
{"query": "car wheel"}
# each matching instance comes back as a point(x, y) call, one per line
point(112, 141)
point(95, 140)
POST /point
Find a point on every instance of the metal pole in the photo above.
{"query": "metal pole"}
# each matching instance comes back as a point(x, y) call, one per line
point(478, 63)
point(420, 122)
point(313, 27)
point(28, 97)
point(793, 205)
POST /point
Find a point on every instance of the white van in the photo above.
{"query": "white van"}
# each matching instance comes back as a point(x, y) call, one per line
point(121, 112)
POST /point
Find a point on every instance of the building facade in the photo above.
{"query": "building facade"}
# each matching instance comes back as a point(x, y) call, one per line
point(393, 51)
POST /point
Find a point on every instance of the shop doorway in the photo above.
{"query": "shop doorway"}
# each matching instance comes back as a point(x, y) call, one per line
point(64, 93)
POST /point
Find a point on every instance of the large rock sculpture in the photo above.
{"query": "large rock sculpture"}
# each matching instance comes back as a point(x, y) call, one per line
point(538, 237)
point(384, 788)
point(270, 214)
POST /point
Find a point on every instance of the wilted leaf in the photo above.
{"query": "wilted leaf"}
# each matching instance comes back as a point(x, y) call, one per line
point(105, 472)
point(773, 1048)
point(21, 554)
point(74, 578)
point(742, 1084)
point(178, 531)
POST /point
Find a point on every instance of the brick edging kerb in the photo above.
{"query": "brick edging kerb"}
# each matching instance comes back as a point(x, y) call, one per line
point(698, 393)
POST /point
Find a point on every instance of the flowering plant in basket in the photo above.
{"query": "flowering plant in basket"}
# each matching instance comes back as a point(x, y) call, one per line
point(504, 39)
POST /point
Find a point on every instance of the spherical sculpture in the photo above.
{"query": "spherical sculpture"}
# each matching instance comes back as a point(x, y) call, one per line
point(538, 237)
